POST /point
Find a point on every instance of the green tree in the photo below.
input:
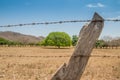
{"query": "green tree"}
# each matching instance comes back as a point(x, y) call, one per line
point(74, 40)
point(100, 43)
point(57, 39)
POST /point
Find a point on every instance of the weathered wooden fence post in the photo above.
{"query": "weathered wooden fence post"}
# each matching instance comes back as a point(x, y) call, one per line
point(77, 63)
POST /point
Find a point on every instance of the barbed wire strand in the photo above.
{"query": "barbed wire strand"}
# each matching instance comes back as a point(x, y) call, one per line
point(57, 22)
point(102, 56)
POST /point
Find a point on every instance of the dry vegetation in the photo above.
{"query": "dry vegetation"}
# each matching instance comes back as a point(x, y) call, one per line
point(36, 68)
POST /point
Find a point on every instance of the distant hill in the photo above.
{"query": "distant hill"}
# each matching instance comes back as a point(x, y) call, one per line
point(18, 37)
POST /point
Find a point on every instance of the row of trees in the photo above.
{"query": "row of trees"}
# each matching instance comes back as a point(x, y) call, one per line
point(5, 42)
point(62, 39)
point(108, 44)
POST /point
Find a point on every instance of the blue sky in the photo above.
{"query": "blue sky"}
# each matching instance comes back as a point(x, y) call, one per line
point(28, 11)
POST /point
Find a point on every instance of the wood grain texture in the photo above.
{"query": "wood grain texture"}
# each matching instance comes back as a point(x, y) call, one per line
point(87, 39)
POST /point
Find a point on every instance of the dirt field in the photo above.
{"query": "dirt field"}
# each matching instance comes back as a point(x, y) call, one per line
point(24, 63)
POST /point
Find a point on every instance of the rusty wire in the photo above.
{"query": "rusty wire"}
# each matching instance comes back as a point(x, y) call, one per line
point(22, 56)
point(57, 22)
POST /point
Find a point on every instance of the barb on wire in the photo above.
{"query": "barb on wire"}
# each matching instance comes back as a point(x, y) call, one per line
point(57, 22)
point(102, 56)
point(115, 20)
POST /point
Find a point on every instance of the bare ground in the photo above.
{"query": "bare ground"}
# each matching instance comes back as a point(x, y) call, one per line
point(21, 63)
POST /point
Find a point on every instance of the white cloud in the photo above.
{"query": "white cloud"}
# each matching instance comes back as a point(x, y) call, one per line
point(96, 5)
point(91, 6)
point(100, 5)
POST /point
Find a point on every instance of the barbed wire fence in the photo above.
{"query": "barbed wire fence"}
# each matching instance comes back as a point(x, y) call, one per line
point(56, 22)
